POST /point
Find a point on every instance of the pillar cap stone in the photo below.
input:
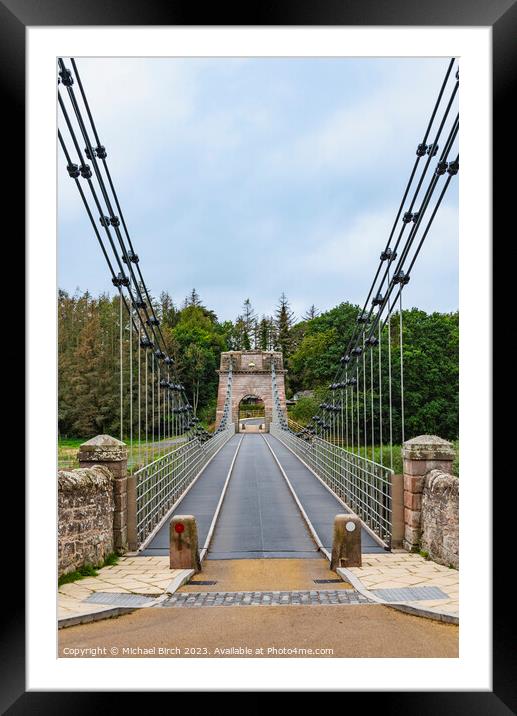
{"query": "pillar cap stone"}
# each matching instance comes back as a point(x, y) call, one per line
point(428, 447)
point(102, 448)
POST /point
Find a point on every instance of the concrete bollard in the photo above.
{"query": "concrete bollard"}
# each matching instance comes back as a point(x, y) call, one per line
point(346, 542)
point(183, 543)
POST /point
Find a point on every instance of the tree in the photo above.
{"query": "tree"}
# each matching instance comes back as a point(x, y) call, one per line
point(284, 321)
point(88, 359)
point(199, 342)
point(195, 362)
point(91, 384)
point(168, 311)
point(250, 322)
point(192, 299)
point(264, 334)
point(240, 340)
point(312, 312)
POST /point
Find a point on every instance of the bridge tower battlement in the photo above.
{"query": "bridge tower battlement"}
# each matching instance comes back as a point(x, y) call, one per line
point(251, 375)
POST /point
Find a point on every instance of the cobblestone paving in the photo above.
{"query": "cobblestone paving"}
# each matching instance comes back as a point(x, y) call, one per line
point(253, 599)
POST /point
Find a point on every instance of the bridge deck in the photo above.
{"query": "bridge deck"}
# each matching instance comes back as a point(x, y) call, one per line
point(259, 517)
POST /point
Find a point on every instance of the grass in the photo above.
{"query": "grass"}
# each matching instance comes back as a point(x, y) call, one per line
point(89, 570)
point(397, 456)
point(142, 453)
point(71, 442)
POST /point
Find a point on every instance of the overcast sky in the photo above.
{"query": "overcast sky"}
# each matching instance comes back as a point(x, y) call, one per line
point(249, 177)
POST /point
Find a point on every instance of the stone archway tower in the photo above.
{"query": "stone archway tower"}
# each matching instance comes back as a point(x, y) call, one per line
point(251, 376)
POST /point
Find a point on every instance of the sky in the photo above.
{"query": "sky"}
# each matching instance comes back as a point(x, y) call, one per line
point(246, 178)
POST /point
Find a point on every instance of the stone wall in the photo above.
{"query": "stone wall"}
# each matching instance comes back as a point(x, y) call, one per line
point(421, 455)
point(439, 521)
point(86, 507)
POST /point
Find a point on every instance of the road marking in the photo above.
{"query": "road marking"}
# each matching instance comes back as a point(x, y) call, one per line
point(220, 503)
point(339, 499)
point(299, 504)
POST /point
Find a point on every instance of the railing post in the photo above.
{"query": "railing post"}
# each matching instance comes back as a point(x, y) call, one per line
point(421, 454)
point(132, 536)
point(397, 510)
point(112, 453)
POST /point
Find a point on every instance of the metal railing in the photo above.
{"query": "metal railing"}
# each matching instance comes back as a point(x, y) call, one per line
point(364, 485)
point(160, 484)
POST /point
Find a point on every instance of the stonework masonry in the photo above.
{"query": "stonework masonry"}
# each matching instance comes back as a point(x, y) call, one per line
point(439, 518)
point(85, 517)
point(111, 453)
point(93, 505)
point(426, 500)
point(251, 375)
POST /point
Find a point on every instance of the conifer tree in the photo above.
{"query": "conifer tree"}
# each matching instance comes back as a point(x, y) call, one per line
point(312, 312)
point(249, 319)
point(284, 321)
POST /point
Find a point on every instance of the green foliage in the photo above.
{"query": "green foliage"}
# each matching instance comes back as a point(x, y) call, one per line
point(322, 342)
point(88, 570)
point(304, 408)
point(284, 322)
point(456, 462)
point(430, 356)
point(89, 368)
point(198, 342)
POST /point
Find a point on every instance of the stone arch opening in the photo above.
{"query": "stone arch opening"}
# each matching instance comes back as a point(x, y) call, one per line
point(251, 413)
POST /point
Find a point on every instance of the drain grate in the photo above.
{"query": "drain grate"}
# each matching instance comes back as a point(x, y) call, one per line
point(119, 599)
point(410, 594)
point(327, 581)
point(203, 583)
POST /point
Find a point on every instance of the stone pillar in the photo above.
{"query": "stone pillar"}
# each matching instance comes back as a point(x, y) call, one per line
point(112, 453)
point(420, 455)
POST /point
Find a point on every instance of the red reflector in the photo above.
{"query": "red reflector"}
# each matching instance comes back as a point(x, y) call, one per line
point(179, 527)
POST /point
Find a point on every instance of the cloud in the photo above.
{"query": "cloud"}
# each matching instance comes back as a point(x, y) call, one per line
point(250, 177)
point(348, 257)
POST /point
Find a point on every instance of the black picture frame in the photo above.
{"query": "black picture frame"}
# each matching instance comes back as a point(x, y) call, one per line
point(501, 15)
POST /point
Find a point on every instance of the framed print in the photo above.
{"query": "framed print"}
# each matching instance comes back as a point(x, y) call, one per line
point(249, 243)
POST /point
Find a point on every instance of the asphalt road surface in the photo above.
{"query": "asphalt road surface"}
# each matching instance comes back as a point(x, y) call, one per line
point(343, 631)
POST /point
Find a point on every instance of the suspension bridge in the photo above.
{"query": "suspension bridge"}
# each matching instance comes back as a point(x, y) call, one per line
point(266, 487)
